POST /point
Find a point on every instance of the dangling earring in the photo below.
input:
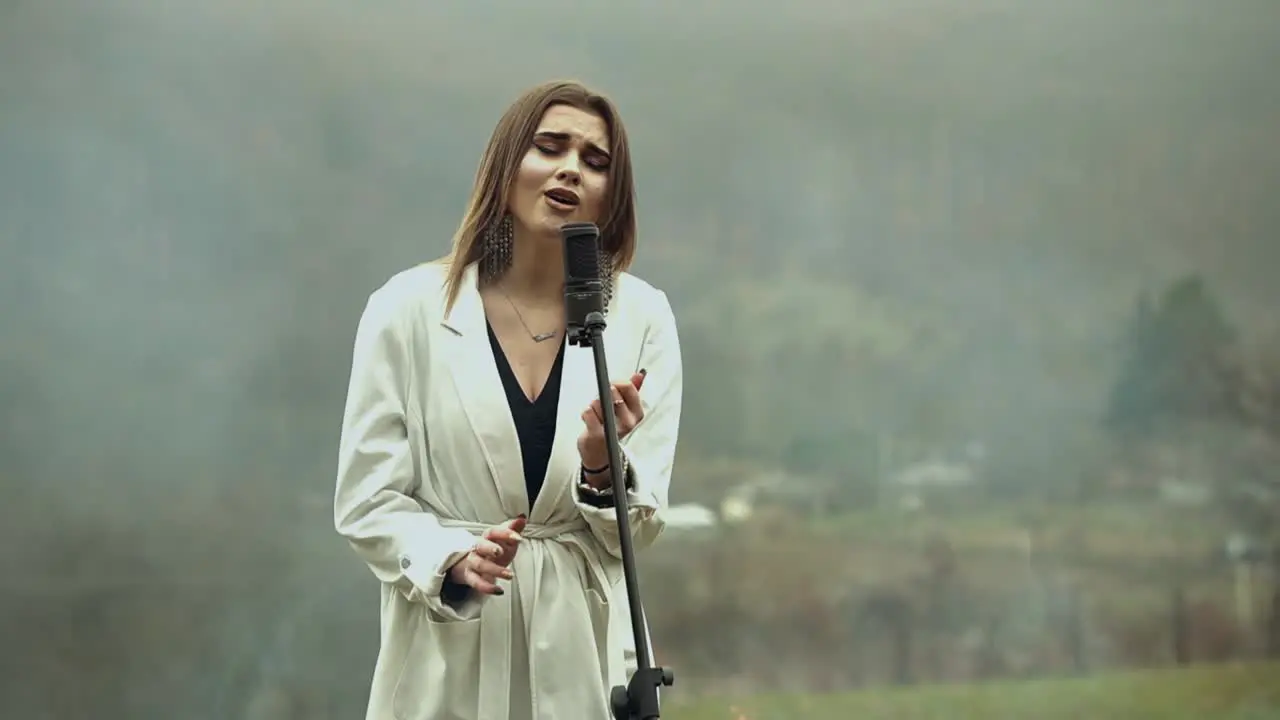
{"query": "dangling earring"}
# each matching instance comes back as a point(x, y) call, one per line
point(606, 277)
point(495, 256)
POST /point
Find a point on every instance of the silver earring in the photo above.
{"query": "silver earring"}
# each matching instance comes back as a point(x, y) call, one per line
point(606, 277)
point(496, 252)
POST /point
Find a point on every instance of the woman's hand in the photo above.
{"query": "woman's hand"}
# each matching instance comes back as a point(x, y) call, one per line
point(628, 413)
point(491, 558)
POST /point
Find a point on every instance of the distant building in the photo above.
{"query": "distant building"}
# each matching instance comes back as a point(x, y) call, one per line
point(916, 485)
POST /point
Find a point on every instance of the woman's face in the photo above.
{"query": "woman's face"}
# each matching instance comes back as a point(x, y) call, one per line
point(564, 174)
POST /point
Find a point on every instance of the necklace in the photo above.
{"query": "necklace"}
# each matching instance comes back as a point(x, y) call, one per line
point(539, 337)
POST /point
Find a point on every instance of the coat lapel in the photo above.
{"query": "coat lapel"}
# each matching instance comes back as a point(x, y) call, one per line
point(471, 364)
point(475, 376)
point(577, 389)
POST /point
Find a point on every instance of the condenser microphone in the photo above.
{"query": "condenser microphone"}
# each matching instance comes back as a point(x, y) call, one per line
point(585, 324)
point(583, 289)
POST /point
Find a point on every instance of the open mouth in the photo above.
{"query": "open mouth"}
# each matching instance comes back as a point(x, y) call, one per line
point(562, 197)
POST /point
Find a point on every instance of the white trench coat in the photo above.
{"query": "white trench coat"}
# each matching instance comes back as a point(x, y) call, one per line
point(429, 457)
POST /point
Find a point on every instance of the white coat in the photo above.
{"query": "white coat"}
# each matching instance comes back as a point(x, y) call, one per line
point(429, 457)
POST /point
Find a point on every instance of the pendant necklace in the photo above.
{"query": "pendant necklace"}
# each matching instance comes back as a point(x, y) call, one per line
point(539, 337)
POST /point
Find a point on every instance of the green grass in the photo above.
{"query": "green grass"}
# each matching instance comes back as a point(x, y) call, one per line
point(1223, 692)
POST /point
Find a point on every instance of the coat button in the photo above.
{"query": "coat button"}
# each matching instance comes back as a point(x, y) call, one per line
point(404, 563)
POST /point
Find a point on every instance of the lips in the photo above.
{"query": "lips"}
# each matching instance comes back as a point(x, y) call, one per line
point(561, 196)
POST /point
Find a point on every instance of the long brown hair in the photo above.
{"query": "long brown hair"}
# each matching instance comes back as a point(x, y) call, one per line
point(507, 147)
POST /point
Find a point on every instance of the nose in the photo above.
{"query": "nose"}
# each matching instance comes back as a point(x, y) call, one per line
point(571, 170)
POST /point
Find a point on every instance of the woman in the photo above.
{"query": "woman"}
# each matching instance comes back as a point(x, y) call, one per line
point(473, 474)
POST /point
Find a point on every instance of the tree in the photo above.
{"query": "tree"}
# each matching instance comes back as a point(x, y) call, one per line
point(1175, 351)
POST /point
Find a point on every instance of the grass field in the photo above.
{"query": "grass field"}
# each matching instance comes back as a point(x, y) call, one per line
point(1225, 692)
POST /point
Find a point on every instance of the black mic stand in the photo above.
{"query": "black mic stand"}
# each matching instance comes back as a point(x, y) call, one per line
point(638, 700)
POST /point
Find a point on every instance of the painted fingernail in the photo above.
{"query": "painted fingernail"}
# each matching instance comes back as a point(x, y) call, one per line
point(499, 591)
point(522, 516)
point(507, 574)
point(643, 372)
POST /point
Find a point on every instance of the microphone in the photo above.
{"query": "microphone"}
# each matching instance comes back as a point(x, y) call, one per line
point(584, 318)
point(583, 289)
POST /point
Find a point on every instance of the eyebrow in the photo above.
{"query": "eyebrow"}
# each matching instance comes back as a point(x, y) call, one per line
point(565, 137)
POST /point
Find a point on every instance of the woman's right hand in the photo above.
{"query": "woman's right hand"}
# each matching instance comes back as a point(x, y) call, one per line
point(490, 559)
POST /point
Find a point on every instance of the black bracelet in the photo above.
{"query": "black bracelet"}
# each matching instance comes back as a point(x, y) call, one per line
point(589, 471)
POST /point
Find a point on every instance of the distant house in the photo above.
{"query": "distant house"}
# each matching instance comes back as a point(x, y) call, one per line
point(915, 485)
point(1184, 493)
point(935, 474)
point(794, 493)
point(690, 516)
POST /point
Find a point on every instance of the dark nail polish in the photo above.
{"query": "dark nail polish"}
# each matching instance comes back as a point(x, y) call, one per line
point(643, 372)
point(522, 516)
point(499, 591)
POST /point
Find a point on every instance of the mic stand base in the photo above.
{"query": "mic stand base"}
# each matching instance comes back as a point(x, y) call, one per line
point(638, 700)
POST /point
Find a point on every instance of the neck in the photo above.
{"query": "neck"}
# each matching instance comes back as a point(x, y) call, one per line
point(537, 268)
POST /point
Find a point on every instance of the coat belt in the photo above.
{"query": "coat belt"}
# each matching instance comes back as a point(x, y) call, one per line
point(495, 630)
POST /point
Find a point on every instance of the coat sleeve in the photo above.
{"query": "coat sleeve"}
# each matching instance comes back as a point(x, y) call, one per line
point(650, 448)
point(374, 508)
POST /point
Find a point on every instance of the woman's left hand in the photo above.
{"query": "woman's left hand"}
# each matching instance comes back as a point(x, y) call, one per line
point(627, 412)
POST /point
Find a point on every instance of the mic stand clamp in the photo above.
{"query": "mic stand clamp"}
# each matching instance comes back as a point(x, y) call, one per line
point(638, 700)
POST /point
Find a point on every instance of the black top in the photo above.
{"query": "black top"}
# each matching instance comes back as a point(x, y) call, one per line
point(535, 427)
point(535, 420)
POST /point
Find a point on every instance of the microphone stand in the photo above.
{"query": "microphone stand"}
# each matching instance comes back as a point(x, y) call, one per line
point(638, 700)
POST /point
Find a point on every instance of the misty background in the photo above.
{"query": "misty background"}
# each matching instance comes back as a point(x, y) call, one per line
point(914, 248)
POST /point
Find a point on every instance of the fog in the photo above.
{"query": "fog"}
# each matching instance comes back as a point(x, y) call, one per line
point(891, 230)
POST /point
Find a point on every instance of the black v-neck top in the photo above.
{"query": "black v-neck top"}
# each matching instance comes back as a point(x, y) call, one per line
point(535, 427)
point(535, 420)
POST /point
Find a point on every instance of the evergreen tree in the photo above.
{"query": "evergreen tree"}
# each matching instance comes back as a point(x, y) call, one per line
point(1171, 368)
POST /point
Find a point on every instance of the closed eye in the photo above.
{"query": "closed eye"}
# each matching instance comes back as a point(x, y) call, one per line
point(551, 143)
point(593, 160)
